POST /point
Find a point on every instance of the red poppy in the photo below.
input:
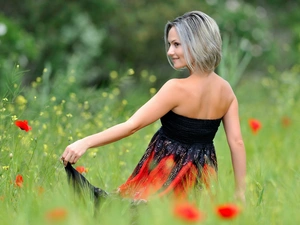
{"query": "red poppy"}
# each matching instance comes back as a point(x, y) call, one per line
point(81, 169)
point(255, 125)
point(19, 180)
point(285, 121)
point(227, 211)
point(188, 212)
point(23, 125)
point(57, 214)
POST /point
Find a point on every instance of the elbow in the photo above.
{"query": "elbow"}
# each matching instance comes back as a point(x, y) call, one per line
point(132, 127)
point(237, 143)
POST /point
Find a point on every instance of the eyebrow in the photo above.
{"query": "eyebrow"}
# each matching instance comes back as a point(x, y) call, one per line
point(173, 41)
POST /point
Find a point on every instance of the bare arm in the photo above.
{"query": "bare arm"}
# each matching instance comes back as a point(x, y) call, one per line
point(150, 112)
point(236, 144)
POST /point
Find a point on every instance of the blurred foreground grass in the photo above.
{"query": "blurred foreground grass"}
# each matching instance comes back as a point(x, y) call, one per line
point(58, 119)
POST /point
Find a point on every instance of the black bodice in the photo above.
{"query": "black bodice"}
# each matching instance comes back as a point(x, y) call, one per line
point(189, 130)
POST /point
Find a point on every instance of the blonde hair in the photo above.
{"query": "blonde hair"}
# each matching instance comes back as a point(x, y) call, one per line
point(200, 39)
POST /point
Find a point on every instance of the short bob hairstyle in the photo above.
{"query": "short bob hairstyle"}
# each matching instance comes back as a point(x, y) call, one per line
point(200, 39)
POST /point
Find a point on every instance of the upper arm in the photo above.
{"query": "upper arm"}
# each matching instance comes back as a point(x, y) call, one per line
point(161, 103)
point(231, 123)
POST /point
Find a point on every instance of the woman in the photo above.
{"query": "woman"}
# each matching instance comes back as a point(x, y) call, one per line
point(181, 154)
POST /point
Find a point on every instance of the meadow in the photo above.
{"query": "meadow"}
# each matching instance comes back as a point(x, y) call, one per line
point(33, 183)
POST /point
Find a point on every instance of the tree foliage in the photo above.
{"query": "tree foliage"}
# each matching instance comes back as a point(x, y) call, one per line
point(94, 37)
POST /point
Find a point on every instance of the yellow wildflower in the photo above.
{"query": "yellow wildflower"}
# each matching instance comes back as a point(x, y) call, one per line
point(113, 74)
point(130, 71)
point(152, 78)
point(14, 118)
point(152, 91)
point(21, 100)
point(5, 167)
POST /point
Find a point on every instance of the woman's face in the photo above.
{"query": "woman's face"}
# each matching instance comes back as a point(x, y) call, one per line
point(175, 51)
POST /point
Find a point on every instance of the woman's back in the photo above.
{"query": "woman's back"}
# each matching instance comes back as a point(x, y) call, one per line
point(202, 97)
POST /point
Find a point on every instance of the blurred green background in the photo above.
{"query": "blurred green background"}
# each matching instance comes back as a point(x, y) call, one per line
point(72, 68)
point(91, 38)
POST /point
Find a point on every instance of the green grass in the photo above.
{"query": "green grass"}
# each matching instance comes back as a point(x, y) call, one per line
point(273, 180)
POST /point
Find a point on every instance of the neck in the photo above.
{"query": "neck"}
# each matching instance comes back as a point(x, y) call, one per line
point(201, 73)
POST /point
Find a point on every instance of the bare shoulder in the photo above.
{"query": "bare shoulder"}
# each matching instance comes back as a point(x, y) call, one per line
point(222, 81)
point(174, 85)
point(225, 87)
point(170, 89)
point(174, 82)
point(225, 94)
point(176, 89)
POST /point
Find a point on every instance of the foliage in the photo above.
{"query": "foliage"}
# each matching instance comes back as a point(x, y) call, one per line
point(95, 37)
point(11, 83)
point(248, 24)
point(234, 61)
point(283, 87)
point(289, 41)
point(16, 46)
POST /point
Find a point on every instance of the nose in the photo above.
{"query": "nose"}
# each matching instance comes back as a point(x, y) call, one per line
point(170, 51)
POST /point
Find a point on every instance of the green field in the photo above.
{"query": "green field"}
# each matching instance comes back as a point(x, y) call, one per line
point(64, 113)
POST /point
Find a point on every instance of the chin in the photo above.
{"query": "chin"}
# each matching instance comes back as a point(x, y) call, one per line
point(179, 67)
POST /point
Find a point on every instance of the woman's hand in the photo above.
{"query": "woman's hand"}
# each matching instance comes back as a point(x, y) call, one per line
point(74, 151)
point(240, 196)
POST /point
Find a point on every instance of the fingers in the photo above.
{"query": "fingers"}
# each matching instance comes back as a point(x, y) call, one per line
point(73, 159)
point(70, 156)
point(74, 151)
point(65, 162)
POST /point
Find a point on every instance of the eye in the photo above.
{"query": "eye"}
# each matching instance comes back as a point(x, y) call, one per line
point(176, 44)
